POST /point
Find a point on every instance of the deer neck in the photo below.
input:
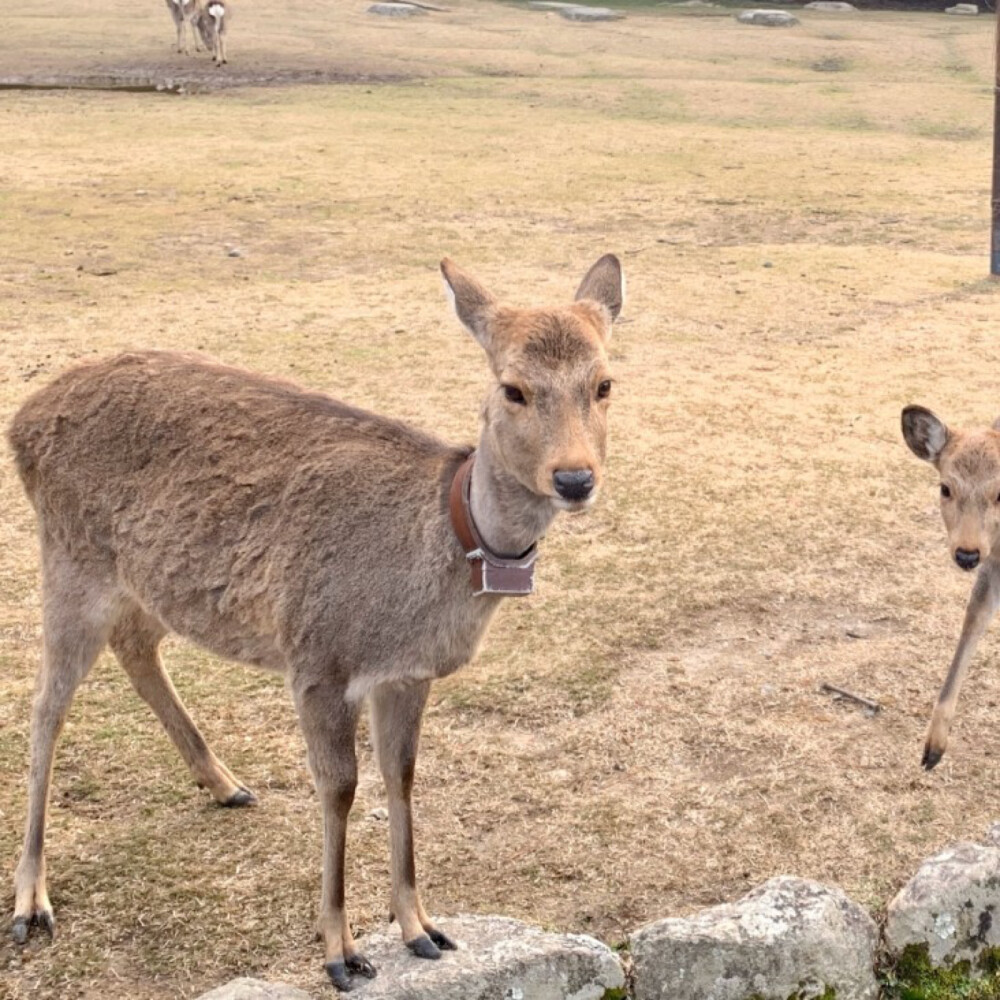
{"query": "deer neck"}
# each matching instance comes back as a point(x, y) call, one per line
point(509, 517)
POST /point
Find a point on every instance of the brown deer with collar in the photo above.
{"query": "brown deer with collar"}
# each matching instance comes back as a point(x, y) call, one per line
point(278, 527)
point(968, 463)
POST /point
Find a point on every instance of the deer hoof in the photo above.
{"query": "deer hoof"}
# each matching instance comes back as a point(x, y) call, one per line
point(931, 758)
point(339, 976)
point(360, 966)
point(444, 942)
point(21, 928)
point(241, 797)
point(47, 922)
point(424, 947)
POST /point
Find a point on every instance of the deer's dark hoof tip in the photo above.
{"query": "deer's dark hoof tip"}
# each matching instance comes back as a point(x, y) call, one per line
point(20, 930)
point(241, 797)
point(424, 947)
point(360, 966)
point(337, 971)
point(931, 758)
point(47, 922)
point(444, 942)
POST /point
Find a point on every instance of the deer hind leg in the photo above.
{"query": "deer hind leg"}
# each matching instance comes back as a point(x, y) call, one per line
point(181, 36)
point(396, 713)
point(78, 609)
point(135, 640)
point(329, 723)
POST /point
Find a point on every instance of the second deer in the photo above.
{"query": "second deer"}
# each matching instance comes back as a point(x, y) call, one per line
point(276, 526)
point(211, 21)
point(968, 464)
point(184, 14)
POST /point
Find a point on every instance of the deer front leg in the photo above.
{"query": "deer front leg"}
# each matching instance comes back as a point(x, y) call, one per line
point(329, 722)
point(982, 607)
point(396, 714)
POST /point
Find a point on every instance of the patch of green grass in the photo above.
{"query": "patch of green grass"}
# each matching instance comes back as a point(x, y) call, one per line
point(830, 64)
point(914, 978)
point(945, 130)
point(853, 121)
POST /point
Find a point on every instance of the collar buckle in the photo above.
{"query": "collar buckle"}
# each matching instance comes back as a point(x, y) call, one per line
point(489, 572)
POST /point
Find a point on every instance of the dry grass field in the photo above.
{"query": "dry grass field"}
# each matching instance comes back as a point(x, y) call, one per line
point(803, 218)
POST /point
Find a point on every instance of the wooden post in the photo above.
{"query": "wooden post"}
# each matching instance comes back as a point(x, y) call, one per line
point(995, 232)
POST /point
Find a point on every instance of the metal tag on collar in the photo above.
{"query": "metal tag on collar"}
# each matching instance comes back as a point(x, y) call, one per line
point(509, 577)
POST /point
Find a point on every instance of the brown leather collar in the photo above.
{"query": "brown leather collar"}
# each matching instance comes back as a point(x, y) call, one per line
point(490, 573)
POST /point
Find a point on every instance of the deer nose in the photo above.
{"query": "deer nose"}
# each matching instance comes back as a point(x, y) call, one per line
point(967, 558)
point(573, 484)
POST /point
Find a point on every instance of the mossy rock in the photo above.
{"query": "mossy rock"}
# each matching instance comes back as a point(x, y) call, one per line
point(914, 977)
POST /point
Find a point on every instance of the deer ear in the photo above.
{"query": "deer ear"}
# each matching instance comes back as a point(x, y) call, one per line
point(924, 433)
point(604, 283)
point(472, 303)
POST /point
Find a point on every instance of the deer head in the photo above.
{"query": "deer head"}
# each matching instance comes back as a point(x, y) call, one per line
point(968, 463)
point(545, 418)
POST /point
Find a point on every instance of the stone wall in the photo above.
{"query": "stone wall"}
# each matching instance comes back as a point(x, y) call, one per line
point(788, 939)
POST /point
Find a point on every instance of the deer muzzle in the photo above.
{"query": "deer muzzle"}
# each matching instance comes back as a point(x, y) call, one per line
point(574, 484)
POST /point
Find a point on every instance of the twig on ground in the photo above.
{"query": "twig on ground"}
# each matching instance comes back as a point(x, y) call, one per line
point(872, 706)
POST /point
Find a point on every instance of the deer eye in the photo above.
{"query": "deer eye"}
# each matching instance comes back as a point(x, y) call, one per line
point(946, 491)
point(513, 394)
point(604, 389)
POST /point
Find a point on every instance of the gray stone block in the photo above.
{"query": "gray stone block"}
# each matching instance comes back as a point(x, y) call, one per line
point(951, 905)
point(496, 958)
point(255, 989)
point(789, 937)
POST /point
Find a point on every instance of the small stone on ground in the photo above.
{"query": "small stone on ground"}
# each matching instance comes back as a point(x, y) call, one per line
point(395, 9)
point(590, 14)
point(767, 18)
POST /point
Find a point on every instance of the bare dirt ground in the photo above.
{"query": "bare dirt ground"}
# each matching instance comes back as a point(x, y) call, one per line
point(803, 217)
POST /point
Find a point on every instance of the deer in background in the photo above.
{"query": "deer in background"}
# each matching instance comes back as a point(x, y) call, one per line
point(184, 14)
point(211, 21)
point(276, 526)
point(968, 463)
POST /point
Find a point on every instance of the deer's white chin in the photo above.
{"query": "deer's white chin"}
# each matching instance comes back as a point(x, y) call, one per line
point(574, 506)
